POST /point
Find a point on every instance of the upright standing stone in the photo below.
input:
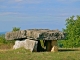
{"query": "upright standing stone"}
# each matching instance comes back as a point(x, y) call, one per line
point(54, 46)
point(27, 44)
point(48, 45)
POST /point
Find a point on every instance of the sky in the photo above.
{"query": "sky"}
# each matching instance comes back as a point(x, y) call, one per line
point(36, 14)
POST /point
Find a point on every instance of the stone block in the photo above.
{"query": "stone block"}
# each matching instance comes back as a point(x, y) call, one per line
point(27, 44)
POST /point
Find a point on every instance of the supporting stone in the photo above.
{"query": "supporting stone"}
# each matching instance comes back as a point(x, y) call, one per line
point(48, 45)
point(54, 46)
point(27, 44)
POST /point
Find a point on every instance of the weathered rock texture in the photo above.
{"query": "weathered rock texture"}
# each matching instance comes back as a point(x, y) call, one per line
point(27, 44)
point(33, 37)
point(15, 35)
point(54, 47)
point(35, 34)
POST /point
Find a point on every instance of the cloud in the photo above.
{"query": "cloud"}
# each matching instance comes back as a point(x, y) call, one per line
point(25, 1)
point(22, 1)
point(3, 6)
point(33, 1)
point(2, 0)
point(38, 1)
point(8, 13)
point(67, 1)
point(18, 0)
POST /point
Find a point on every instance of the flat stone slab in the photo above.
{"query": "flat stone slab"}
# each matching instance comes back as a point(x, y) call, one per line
point(27, 44)
point(15, 35)
point(35, 34)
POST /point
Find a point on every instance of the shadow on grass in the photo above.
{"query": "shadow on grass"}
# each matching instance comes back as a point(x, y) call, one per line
point(68, 49)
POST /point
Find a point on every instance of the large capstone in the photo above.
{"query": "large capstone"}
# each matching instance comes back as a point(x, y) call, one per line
point(27, 44)
point(16, 35)
point(35, 34)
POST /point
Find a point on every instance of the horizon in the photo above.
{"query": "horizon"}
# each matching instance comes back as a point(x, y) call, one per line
point(36, 14)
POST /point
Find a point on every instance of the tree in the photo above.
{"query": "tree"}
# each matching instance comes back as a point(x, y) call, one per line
point(2, 39)
point(15, 29)
point(73, 32)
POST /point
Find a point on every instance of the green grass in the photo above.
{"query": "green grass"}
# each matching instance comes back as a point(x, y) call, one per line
point(23, 54)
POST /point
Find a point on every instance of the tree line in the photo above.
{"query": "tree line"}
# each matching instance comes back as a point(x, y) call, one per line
point(72, 31)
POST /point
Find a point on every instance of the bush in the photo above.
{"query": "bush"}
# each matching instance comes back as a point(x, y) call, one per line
point(5, 44)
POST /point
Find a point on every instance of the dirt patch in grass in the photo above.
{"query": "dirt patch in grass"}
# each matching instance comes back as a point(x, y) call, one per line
point(6, 46)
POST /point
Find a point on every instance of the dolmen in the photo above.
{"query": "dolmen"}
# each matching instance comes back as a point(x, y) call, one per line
point(30, 39)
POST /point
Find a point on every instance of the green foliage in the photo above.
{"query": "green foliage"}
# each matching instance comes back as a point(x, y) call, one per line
point(2, 39)
point(5, 44)
point(16, 29)
point(42, 43)
point(73, 32)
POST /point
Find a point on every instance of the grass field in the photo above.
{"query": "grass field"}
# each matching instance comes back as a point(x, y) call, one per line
point(23, 54)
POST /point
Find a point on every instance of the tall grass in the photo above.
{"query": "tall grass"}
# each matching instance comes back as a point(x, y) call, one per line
point(5, 44)
point(23, 54)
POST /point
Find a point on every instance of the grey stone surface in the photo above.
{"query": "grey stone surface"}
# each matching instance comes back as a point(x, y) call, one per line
point(35, 34)
point(27, 44)
point(15, 35)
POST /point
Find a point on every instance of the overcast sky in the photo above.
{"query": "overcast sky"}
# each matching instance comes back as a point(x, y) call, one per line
point(28, 14)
